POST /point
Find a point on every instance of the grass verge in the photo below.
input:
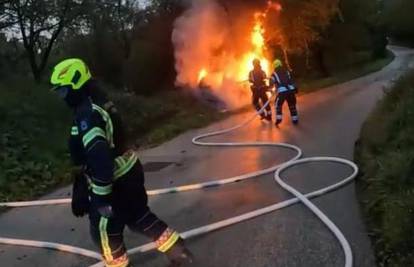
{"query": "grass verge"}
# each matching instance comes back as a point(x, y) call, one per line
point(156, 119)
point(385, 154)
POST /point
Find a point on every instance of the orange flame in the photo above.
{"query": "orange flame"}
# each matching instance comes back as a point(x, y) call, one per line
point(202, 74)
point(258, 49)
point(257, 36)
point(244, 63)
point(218, 61)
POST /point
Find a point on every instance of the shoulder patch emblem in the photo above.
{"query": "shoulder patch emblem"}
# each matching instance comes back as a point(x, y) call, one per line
point(84, 125)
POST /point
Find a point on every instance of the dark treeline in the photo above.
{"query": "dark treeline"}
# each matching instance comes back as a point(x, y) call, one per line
point(399, 20)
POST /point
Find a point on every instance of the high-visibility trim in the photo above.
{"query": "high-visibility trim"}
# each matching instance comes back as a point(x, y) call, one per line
point(122, 160)
point(122, 261)
point(277, 78)
point(124, 163)
point(92, 134)
point(169, 242)
point(74, 130)
point(101, 190)
point(118, 162)
point(109, 128)
point(282, 89)
point(106, 249)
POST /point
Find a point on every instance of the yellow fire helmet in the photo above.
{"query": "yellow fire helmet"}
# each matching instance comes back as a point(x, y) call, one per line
point(277, 63)
point(71, 72)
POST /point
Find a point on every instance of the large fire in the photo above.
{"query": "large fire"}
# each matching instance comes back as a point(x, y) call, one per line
point(215, 49)
point(244, 63)
point(257, 51)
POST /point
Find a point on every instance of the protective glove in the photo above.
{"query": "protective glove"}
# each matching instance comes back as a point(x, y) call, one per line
point(80, 194)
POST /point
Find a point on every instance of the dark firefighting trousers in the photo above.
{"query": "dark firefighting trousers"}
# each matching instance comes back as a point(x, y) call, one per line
point(259, 94)
point(130, 206)
point(290, 98)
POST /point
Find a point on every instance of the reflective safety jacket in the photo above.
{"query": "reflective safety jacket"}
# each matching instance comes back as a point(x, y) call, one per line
point(282, 80)
point(97, 143)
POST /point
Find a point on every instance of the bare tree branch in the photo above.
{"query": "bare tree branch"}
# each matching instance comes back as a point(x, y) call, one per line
point(40, 23)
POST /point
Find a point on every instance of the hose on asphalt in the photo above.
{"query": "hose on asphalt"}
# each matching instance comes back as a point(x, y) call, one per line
point(277, 170)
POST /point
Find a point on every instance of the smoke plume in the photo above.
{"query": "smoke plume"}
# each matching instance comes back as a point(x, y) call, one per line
point(210, 47)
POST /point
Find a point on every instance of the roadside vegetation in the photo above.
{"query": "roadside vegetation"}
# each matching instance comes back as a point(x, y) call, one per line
point(33, 153)
point(385, 154)
point(35, 125)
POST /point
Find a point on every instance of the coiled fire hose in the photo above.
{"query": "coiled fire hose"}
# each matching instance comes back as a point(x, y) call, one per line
point(277, 170)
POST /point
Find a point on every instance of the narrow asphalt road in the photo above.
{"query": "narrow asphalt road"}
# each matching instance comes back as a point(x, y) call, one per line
point(330, 123)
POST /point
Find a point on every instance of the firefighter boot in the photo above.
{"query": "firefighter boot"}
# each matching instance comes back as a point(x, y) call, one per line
point(278, 122)
point(179, 254)
point(295, 120)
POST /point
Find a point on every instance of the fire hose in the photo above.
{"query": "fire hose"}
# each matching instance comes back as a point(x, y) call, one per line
point(277, 170)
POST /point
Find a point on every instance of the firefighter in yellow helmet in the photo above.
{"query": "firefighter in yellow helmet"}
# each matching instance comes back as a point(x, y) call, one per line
point(111, 187)
point(286, 92)
point(257, 79)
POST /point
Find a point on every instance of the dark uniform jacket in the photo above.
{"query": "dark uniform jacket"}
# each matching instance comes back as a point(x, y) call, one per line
point(97, 143)
point(257, 78)
point(282, 80)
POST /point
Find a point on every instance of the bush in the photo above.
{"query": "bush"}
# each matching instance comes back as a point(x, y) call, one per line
point(33, 140)
point(153, 119)
point(386, 184)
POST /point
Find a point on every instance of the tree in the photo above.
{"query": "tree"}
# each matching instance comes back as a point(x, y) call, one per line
point(399, 19)
point(39, 23)
point(151, 65)
point(139, 40)
point(115, 17)
point(4, 21)
point(297, 35)
point(107, 25)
